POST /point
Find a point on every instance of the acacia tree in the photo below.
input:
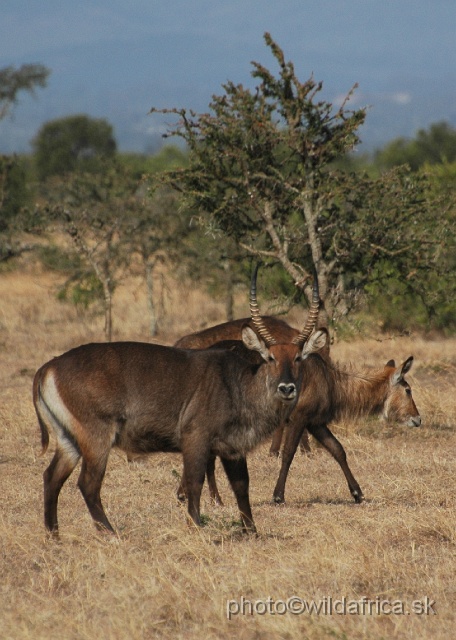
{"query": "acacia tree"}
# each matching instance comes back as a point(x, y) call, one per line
point(262, 167)
point(93, 209)
point(156, 231)
point(258, 166)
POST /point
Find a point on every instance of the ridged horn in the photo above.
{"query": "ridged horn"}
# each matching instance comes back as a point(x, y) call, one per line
point(312, 316)
point(257, 320)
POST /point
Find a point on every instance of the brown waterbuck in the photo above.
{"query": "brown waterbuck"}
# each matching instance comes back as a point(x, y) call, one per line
point(143, 398)
point(328, 393)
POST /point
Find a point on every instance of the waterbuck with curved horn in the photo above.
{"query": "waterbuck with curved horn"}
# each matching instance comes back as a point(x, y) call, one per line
point(328, 393)
point(143, 398)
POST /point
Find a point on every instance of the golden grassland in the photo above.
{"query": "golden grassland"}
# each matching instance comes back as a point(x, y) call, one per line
point(161, 578)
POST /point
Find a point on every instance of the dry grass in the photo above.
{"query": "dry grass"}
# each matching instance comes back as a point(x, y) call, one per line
point(163, 579)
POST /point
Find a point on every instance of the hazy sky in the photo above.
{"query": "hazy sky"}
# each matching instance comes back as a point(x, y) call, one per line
point(116, 60)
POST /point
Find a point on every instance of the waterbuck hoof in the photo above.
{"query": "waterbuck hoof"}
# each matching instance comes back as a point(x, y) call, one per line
point(278, 500)
point(358, 496)
point(53, 535)
point(250, 531)
point(273, 454)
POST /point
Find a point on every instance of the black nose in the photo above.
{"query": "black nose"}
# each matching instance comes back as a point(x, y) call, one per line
point(287, 390)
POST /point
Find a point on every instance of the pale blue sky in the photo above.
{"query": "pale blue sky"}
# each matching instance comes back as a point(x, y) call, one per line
point(115, 60)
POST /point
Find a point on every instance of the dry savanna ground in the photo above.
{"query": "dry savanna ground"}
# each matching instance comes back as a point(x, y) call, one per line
point(386, 568)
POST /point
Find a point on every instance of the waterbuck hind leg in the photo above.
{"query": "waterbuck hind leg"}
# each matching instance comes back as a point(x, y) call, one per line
point(195, 463)
point(332, 444)
point(211, 481)
point(210, 475)
point(274, 449)
point(238, 475)
point(292, 438)
point(54, 477)
point(89, 483)
point(304, 444)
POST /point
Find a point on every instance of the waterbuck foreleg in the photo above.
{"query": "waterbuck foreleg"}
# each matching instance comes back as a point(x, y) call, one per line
point(276, 441)
point(181, 491)
point(89, 483)
point(54, 478)
point(238, 475)
point(293, 435)
point(274, 450)
point(332, 444)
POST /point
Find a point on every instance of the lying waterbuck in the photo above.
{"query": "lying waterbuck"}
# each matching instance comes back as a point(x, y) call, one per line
point(328, 393)
point(144, 398)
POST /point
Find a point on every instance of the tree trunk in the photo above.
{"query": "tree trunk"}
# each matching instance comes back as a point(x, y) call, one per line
point(153, 323)
point(107, 296)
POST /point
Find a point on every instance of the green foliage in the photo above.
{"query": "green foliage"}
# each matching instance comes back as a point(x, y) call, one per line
point(100, 197)
point(399, 310)
point(155, 225)
point(434, 146)
point(59, 259)
point(15, 193)
point(75, 143)
point(15, 201)
point(82, 290)
point(169, 157)
point(442, 180)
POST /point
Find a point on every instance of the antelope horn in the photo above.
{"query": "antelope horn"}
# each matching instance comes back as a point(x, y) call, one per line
point(257, 320)
point(312, 315)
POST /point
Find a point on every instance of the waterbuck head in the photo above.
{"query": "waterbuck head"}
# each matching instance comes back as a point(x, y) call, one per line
point(399, 405)
point(283, 360)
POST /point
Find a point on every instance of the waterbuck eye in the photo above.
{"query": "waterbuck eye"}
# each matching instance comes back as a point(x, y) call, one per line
point(298, 359)
point(408, 392)
point(271, 359)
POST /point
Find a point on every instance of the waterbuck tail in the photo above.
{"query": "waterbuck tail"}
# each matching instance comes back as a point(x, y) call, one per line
point(37, 400)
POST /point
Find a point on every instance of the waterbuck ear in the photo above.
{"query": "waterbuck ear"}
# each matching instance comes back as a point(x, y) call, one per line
point(253, 342)
point(402, 370)
point(316, 342)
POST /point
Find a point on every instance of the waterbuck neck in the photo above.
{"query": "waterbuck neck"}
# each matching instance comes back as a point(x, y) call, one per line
point(362, 393)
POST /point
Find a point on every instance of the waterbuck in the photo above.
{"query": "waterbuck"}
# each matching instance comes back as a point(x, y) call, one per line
point(143, 398)
point(328, 393)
